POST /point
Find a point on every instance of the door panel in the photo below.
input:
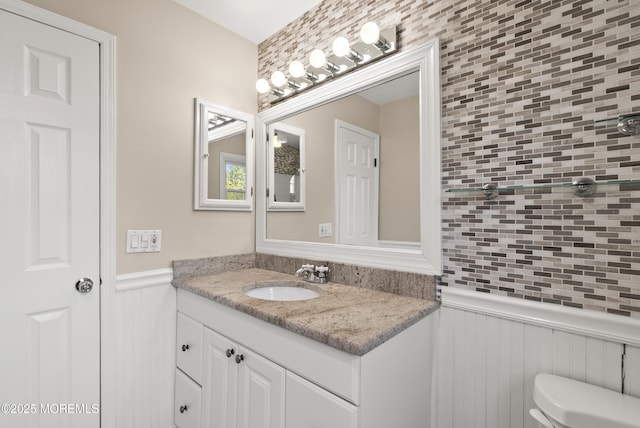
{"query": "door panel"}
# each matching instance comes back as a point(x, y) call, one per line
point(49, 225)
point(219, 380)
point(357, 182)
point(49, 184)
point(309, 406)
point(261, 397)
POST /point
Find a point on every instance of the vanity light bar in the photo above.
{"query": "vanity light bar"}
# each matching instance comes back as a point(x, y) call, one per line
point(373, 45)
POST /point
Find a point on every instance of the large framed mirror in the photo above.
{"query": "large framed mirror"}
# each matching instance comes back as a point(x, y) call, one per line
point(373, 186)
point(223, 158)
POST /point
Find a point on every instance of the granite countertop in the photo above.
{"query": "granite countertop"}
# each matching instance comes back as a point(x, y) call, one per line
point(352, 319)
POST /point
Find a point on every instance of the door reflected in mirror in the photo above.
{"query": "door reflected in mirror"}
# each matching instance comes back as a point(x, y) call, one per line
point(224, 144)
point(362, 169)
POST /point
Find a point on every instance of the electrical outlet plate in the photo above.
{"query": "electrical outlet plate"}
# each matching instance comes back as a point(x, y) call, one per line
point(325, 230)
point(143, 241)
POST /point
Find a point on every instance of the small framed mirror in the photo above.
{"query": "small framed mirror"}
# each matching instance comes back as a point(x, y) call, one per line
point(223, 158)
point(286, 167)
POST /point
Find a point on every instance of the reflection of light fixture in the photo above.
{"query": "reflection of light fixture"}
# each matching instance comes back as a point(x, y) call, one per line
point(217, 120)
point(278, 142)
point(375, 44)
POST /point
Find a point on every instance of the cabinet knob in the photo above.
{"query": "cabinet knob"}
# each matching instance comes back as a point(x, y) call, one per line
point(185, 348)
point(183, 408)
point(239, 358)
point(230, 352)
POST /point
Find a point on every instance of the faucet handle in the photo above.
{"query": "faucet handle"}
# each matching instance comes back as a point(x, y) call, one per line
point(322, 269)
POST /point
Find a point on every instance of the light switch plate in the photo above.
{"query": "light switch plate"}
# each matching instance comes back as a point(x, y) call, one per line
point(143, 241)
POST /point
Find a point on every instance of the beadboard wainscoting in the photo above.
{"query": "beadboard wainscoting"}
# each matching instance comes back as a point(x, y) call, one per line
point(489, 349)
point(146, 330)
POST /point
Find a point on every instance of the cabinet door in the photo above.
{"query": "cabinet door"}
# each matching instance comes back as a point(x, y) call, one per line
point(189, 349)
point(219, 381)
point(187, 406)
point(309, 406)
point(260, 392)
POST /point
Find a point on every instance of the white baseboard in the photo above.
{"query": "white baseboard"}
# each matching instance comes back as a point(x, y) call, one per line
point(615, 328)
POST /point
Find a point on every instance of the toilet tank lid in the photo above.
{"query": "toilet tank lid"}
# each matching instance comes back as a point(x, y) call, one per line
point(581, 405)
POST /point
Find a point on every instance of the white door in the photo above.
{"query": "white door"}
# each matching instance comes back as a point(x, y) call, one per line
point(49, 226)
point(357, 152)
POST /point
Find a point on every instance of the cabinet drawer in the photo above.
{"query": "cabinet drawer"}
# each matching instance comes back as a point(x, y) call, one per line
point(188, 402)
point(309, 406)
point(189, 347)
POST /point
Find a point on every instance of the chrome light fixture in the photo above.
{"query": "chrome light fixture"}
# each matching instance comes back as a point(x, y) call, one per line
point(374, 44)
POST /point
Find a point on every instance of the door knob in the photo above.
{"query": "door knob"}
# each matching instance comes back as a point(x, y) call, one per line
point(230, 352)
point(239, 358)
point(84, 285)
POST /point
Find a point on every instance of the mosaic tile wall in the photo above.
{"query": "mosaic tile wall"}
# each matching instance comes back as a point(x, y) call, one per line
point(522, 82)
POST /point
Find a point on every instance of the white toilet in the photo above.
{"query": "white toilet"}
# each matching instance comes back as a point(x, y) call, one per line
point(569, 403)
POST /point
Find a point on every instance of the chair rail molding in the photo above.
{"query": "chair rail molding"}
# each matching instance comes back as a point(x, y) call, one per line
point(586, 322)
point(137, 280)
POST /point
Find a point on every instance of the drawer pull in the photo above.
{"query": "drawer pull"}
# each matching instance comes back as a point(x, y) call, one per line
point(230, 352)
point(183, 408)
point(185, 348)
point(239, 358)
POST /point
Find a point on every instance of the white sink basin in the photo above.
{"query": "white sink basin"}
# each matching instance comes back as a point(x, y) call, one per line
point(281, 292)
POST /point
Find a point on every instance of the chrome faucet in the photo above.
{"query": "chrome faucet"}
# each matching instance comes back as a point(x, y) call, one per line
point(314, 274)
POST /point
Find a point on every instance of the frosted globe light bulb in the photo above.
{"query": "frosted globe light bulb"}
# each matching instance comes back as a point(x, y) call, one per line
point(278, 79)
point(296, 69)
point(370, 33)
point(262, 86)
point(341, 47)
point(317, 58)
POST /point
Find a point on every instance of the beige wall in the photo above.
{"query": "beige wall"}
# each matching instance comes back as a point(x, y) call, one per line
point(399, 205)
point(167, 56)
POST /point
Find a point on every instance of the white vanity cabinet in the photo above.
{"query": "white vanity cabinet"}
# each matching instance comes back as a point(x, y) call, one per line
point(220, 384)
point(240, 388)
point(256, 374)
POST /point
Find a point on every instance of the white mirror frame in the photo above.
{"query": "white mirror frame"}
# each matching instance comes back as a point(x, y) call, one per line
point(427, 259)
point(201, 161)
point(274, 205)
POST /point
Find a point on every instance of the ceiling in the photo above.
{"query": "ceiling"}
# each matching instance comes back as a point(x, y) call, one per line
point(393, 90)
point(254, 20)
